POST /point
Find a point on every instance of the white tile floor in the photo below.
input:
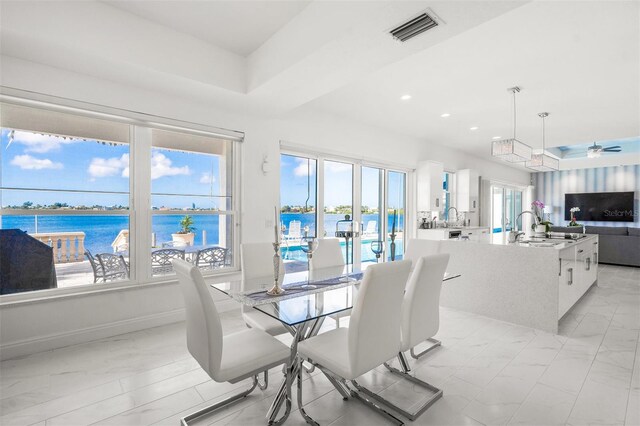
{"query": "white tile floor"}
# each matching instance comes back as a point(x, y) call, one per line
point(491, 372)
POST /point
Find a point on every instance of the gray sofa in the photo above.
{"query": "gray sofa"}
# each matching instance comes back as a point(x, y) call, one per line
point(617, 245)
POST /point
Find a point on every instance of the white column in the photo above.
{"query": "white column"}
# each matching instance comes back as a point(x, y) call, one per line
point(140, 207)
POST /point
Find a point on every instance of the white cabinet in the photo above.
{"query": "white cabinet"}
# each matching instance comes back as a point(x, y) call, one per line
point(476, 234)
point(467, 190)
point(578, 271)
point(429, 186)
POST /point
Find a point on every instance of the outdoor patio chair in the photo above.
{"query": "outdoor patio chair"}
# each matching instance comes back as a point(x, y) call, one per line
point(95, 266)
point(372, 228)
point(294, 230)
point(212, 258)
point(114, 267)
point(161, 260)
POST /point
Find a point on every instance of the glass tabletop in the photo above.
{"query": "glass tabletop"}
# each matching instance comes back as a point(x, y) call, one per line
point(326, 292)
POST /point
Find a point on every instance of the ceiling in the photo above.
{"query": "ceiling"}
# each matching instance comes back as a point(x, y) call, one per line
point(237, 26)
point(579, 61)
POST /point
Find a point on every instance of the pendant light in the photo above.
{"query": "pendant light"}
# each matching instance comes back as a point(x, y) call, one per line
point(543, 162)
point(512, 150)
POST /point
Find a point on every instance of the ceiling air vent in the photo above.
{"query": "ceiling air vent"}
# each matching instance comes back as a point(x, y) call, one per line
point(416, 26)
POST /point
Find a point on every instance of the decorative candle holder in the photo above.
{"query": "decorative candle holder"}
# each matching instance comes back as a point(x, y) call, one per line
point(276, 290)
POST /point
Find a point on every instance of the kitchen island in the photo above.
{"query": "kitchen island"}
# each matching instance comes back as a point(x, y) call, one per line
point(532, 283)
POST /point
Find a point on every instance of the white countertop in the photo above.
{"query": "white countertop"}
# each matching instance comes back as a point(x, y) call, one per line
point(502, 239)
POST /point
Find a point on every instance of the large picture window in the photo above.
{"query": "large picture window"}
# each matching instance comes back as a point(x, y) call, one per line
point(76, 210)
point(191, 197)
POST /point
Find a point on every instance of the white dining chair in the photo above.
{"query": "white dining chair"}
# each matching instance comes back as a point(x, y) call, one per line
point(257, 262)
point(421, 306)
point(421, 321)
point(231, 358)
point(373, 335)
point(328, 255)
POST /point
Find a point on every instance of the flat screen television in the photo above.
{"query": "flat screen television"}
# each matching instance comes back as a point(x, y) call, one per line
point(601, 206)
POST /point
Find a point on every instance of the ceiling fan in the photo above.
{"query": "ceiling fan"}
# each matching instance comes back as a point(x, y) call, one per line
point(596, 150)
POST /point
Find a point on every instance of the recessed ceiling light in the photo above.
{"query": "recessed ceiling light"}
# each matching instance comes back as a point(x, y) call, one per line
point(474, 128)
point(445, 115)
point(405, 97)
point(495, 138)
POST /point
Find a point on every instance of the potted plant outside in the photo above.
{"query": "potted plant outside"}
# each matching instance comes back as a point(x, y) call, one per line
point(185, 236)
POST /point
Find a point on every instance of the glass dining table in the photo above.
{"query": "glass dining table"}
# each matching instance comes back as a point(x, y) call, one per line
point(309, 298)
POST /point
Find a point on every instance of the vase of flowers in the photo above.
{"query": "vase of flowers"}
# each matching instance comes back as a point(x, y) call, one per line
point(544, 225)
point(185, 236)
point(573, 211)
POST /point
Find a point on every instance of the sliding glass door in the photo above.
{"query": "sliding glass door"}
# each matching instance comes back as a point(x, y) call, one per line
point(506, 205)
point(338, 188)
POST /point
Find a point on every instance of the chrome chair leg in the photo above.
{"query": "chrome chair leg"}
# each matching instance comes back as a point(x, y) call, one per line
point(266, 381)
point(412, 416)
point(435, 342)
point(403, 364)
point(362, 394)
point(307, 418)
point(210, 409)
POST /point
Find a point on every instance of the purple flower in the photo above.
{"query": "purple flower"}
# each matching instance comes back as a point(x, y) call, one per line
point(538, 204)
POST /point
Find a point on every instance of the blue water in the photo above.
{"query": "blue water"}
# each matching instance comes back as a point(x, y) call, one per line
point(100, 231)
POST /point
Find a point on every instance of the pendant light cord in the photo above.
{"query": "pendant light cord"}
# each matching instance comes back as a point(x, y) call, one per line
point(514, 113)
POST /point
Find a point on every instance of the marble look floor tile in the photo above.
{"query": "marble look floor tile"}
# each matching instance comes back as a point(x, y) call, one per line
point(568, 371)
point(544, 406)
point(491, 414)
point(600, 404)
point(156, 410)
point(130, 400)
point(445, 413)
point(40, 412)
point(633, 408)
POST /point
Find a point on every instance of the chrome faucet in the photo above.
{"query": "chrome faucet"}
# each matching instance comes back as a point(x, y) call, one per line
point(514, 234)
point(449, 210)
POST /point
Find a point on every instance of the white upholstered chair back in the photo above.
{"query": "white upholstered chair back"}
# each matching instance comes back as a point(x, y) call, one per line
point(374, 328)
point(204, 331)
point(257, 261)
point(417, 248)
point(421, 305)
point(328, 254)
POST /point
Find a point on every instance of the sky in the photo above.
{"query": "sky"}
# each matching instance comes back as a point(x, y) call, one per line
point(30, 160)
point(295, 171)
point(43, 162)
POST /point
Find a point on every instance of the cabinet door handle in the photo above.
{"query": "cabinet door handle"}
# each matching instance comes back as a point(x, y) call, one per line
point(580, 251)
point(570, 276)
point(437, 202)
point(588, 263)
point(595, 257)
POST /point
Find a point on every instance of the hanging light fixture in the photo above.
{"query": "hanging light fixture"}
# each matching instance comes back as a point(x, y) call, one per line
point(511, 150)
point(543, 162)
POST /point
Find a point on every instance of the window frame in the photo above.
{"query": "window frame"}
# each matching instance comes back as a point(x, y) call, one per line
point(357, 163)
point(139, 211)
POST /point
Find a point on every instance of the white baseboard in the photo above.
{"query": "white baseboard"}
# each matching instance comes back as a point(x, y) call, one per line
point(83, 335)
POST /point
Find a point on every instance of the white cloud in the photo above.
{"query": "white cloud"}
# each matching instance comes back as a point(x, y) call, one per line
point(27, 162)
point(105, 167)
point(207, 178)
point(161, 166)
point(40, 143)
point(303, 169)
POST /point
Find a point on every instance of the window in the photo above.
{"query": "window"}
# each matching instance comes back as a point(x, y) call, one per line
point(396, 214)
point(318, 192)
point(67, 197)
point(298, 199)
point(447, 182)
point(66, 185)
point(191, 198)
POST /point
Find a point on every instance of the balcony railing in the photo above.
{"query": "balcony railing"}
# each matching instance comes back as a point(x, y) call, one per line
point(67, 246)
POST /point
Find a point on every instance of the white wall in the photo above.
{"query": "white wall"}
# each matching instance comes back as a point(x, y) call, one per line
point(40, 325)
